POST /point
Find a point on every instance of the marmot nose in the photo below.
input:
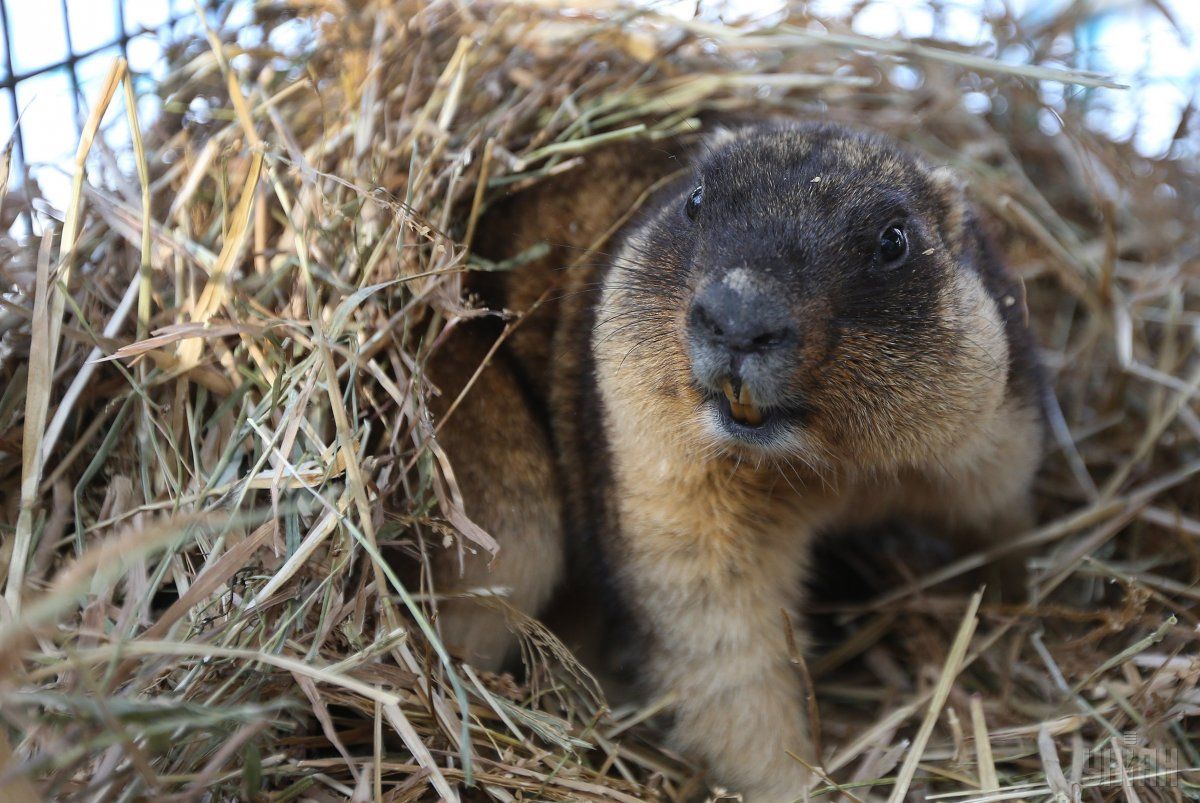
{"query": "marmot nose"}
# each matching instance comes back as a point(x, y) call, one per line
point(738, 321)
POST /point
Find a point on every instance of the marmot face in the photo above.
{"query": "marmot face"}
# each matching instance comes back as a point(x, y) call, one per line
point(808, 293)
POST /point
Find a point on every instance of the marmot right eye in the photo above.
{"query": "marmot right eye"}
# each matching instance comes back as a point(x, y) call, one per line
point(893, 244)
point(692, 207)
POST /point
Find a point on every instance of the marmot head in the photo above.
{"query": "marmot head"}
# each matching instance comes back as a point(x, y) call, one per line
point(811, 292)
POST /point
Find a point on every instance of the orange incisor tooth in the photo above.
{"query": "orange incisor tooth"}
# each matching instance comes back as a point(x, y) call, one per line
point(750, 413)
point(742, 404)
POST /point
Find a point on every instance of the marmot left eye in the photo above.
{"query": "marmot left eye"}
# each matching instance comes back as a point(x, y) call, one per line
point(692, 207)
point(893, 244)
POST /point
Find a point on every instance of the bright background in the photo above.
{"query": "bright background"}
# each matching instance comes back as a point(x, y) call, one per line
point(43, 33)
point(1159, 57)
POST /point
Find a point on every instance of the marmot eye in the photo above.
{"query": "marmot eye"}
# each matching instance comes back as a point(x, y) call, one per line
point(893, 244)
point(692, 207)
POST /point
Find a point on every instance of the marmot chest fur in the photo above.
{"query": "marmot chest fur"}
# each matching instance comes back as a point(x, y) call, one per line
point(793, 328)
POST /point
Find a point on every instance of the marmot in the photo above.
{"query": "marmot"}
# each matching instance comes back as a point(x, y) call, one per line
point(802, 328)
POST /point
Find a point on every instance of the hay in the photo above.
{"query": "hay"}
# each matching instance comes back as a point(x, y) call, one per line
point(212, 384)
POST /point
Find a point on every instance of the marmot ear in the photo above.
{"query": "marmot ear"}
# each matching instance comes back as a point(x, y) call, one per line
point(719, 137)
point(950, 193)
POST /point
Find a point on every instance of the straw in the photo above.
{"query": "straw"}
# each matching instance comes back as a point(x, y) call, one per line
point(221, 484)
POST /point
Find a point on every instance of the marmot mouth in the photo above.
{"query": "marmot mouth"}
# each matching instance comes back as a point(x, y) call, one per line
point(741, 404)
point(740, 416)
point(759, 427)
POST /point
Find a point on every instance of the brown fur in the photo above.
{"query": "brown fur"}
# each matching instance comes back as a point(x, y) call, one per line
point(709, 541)
point(503, 463)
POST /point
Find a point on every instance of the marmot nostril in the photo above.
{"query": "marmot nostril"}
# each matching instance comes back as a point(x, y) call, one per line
point(738, 321)
point(704, 325)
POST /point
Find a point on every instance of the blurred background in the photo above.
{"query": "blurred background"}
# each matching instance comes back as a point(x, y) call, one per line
point(54, 55)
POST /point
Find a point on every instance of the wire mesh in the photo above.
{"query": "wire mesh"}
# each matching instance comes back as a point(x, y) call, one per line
point(58, 27)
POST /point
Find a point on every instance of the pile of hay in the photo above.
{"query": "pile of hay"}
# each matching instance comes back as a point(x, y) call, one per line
point(211, 392)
